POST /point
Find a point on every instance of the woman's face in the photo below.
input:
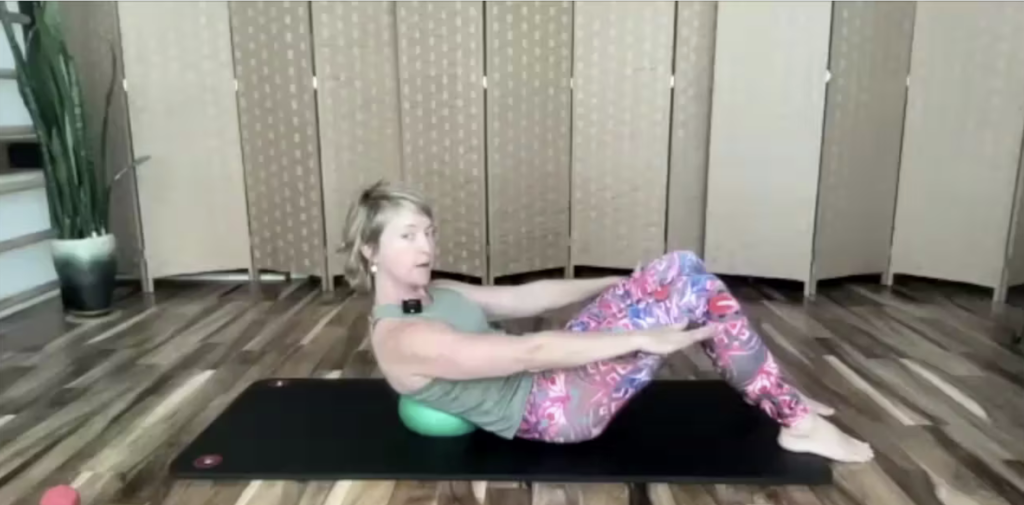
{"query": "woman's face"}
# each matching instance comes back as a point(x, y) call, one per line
point(406, 249)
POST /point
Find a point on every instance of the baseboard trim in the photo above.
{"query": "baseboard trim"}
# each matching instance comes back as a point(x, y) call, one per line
point(29, 297)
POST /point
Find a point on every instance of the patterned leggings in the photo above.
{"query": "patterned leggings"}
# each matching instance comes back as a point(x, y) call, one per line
point(576, 404)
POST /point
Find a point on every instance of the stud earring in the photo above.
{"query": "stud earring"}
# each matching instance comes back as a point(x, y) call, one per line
point(373, 268)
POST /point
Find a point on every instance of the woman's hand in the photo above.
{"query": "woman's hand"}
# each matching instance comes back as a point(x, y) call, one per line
point(669, 339)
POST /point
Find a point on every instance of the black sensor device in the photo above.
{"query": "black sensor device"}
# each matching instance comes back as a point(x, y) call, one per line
point(413, 306)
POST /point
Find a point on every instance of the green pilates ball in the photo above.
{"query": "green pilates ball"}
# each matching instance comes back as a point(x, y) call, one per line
point(431, 422)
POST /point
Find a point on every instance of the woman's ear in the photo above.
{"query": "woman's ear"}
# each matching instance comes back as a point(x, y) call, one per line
point(367, 252)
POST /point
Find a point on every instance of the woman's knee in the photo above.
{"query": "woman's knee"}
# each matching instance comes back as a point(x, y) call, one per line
point(685, 261)
point(686, 254)
point(673, 267)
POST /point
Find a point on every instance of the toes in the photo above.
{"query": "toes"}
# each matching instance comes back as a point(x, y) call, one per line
point(864, 452)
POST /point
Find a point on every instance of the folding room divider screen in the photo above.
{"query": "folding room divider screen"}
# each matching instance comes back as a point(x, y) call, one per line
point(357, 101)
point(792, 140)
point(961, 151)
point(529, 135)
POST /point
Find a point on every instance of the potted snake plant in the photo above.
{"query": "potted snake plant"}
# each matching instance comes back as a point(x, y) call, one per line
point(78, 184)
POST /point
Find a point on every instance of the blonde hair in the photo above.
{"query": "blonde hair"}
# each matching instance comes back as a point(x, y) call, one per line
point(366, 219)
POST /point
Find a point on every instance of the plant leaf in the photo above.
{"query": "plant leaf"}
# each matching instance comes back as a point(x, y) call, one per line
point(76, 182)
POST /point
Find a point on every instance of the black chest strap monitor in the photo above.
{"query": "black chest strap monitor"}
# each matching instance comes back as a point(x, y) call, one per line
point(413, 306)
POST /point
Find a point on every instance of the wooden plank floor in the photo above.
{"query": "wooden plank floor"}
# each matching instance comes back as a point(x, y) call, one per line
point(923, 372)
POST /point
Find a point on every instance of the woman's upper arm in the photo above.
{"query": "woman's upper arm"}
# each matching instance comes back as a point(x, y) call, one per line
point(433, 349)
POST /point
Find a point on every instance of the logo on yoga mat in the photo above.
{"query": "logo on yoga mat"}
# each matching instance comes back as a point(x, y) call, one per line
point(208, 461)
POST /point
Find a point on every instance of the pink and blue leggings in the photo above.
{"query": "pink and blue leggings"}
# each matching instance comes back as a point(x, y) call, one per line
point(576, 404)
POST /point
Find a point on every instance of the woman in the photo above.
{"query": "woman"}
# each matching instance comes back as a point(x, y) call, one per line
point(556, 386)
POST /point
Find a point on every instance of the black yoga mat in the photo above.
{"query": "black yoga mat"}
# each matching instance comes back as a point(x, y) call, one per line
point(673, 431)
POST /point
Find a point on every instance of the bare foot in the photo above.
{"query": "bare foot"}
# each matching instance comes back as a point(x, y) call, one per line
point(817, 407)
point(817, 435)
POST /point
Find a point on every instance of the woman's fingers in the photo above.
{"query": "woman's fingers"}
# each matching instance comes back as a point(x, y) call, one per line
point(703, 333)
point(697, 334)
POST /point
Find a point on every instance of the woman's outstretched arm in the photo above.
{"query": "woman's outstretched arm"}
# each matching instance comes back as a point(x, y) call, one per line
point(435, 350)
point(532, 298)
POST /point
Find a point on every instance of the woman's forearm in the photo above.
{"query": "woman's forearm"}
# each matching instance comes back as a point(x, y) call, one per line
point(582, 289)
point(564, 349)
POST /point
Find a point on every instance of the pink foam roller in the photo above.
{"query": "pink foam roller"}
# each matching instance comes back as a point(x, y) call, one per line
point(60, 495)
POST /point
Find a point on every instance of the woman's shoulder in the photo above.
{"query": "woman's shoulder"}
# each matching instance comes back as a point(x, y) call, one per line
point(391, 326)
point(447, 287)
point(392, 334)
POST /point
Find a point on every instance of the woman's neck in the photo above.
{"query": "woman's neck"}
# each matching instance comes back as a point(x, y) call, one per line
point(392, 293)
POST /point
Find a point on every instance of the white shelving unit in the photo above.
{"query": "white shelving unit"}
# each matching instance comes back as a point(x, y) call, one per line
point(25, 262)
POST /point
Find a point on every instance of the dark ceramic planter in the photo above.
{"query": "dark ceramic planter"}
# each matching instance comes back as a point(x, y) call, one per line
point(87, 271)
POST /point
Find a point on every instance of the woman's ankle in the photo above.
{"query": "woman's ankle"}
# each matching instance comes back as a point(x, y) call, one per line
point(801, 426)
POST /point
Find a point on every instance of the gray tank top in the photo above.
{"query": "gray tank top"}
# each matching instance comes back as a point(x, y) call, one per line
point(493, 404)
